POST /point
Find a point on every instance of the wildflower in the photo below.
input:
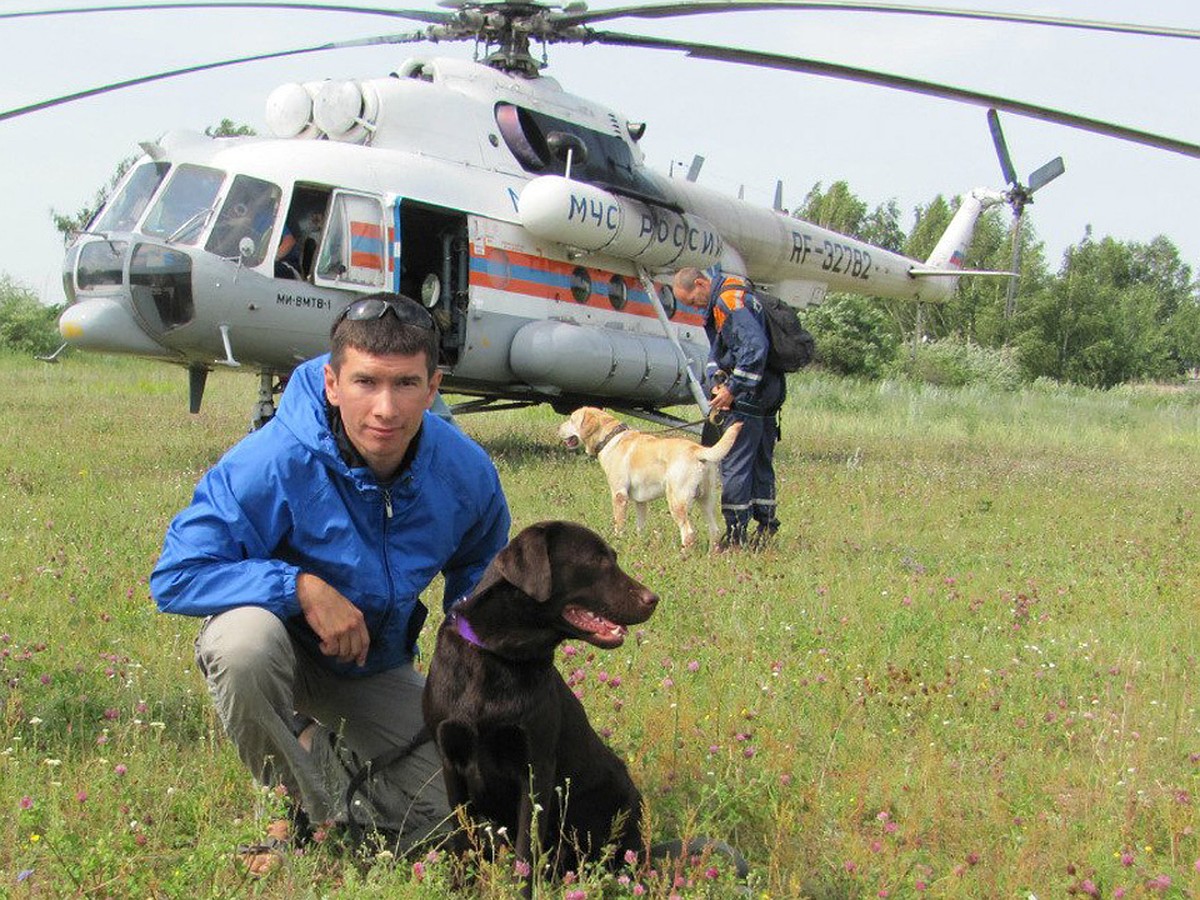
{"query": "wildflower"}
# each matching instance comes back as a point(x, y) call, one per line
point(712, 873)
point(850, 866)
point(694, 666)
point(575, 895)
point(631, 858)
point(638, 890)
point(26, 802)
point(120, 769)
point(522, 868)
point(1127, 859)
point(1159, 883)
point(82, 796)
point(418, 870)
point(23, 875)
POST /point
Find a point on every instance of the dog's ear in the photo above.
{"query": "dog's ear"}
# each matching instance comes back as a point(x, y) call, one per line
point(525, 563)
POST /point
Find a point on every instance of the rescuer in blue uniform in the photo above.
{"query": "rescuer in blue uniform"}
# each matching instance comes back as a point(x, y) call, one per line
point(306, 548)
point(742, 385)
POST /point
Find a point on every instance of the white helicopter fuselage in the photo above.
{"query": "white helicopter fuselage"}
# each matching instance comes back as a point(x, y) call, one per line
point(444, 181)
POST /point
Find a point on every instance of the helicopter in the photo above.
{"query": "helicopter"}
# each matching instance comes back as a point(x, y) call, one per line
point(523, 216)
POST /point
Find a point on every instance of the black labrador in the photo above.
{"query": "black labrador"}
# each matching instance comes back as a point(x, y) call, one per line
point(511, 733)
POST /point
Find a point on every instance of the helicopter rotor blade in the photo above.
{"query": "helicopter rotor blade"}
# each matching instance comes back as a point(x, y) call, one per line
point(1006, 164)
point(897, 82)
point(420, 15)
point(1047, 173)
point(204, 67)
point(703, 7)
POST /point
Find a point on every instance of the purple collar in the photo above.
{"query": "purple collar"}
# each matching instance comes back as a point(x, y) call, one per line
point(464, 629)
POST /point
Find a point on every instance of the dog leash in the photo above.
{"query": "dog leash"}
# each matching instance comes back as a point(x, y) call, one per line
point(378, 764)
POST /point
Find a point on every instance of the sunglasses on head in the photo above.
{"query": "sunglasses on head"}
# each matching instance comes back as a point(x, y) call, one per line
point(407, 311)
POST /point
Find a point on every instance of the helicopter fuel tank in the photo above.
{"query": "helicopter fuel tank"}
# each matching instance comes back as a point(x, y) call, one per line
point(602, 362)
point(583, 215)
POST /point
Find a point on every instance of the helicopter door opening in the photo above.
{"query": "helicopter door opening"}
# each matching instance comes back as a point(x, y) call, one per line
point(353, 253)
point(302, 227)
point(435, 268)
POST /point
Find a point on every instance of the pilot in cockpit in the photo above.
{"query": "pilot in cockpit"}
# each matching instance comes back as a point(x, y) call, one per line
point(298, 246)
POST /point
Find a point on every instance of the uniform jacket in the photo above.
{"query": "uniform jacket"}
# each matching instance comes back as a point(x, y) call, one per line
point(283, 501)
point(738, 345)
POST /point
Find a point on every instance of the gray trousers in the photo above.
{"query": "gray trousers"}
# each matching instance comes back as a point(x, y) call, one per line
point(259, 677)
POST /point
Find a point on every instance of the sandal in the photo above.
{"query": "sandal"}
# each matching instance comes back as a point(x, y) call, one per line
point(268, 854)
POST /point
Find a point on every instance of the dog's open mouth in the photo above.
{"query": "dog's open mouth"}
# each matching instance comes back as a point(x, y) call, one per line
point(595, 629)
point(571, 441)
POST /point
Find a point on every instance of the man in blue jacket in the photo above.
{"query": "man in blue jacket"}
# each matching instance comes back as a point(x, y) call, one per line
point(748, 391)
point(307, 547)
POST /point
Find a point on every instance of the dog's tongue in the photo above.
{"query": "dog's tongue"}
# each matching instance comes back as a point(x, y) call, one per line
point(596, 629)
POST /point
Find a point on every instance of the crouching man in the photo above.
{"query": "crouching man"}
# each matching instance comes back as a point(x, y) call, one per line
point(306, 548)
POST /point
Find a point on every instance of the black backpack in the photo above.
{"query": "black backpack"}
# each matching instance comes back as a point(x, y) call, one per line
point(792, 346)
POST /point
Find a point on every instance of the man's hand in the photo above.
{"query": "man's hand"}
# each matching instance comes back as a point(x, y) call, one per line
point(338, 622)
point(722, 398)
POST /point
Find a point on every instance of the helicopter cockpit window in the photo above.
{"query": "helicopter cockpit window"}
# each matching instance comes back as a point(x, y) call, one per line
point(353, 250)
point(123, 210)
point(248, 213)
point(186, 204)
point(607, 163)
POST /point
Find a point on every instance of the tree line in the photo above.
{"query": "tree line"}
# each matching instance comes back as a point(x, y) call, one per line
point(1113, 312)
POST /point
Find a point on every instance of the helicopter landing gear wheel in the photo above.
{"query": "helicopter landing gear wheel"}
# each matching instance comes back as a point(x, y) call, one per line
point(264, 409)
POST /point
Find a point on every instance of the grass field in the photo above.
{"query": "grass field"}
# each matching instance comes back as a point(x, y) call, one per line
point(969, 667)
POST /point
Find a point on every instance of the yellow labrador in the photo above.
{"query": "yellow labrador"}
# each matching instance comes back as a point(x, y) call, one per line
point(642, 467)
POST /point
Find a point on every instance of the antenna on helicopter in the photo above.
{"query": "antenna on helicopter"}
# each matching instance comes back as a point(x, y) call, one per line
point(1018, 196)
point(778, 205)
point(693, 172)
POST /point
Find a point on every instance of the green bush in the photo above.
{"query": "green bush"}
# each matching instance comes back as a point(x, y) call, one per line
point(951, 362)
point(26, 325)
point(853, 335)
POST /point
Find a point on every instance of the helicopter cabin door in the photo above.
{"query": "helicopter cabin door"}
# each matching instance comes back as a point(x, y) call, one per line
point(435, 268)
point(353, 253)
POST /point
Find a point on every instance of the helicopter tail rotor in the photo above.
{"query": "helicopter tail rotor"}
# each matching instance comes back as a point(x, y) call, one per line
point(1018, 195)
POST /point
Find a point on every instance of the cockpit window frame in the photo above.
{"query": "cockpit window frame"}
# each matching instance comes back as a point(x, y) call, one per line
point(187, 224)
point(127, 206)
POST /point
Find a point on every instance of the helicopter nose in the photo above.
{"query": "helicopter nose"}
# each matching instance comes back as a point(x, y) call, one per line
point(107, 325)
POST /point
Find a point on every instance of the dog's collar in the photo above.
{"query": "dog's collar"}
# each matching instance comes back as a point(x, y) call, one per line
point(620, 429)
point(460, 624)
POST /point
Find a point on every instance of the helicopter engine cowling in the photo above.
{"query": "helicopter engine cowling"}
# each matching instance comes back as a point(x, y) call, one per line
point(590, 218)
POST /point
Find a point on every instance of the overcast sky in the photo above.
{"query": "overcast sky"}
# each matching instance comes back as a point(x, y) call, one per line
point(753, 126)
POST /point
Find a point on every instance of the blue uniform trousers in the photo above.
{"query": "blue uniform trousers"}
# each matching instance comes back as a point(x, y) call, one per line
point(748, 475)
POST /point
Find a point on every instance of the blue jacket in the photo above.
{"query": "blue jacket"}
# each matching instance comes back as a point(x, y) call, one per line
point(283, 501)
point(738, 345)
